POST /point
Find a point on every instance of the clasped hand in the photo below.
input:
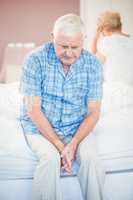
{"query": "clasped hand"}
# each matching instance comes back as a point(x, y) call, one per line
point(67, 156)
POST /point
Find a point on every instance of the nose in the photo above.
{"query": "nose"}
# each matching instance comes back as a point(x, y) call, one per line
point(69, 52)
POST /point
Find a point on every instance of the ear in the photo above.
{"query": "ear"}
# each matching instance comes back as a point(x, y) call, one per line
point(52, 36)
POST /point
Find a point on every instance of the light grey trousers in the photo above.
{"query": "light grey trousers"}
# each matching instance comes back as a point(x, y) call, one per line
point(46, 183)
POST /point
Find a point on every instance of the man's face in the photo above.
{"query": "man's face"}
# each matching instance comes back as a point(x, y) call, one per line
point(68, 49)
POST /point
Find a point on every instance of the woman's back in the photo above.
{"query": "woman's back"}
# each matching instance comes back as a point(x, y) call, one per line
point(118, 50)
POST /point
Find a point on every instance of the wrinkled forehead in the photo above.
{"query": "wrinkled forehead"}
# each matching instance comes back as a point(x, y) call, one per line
point(62, 38)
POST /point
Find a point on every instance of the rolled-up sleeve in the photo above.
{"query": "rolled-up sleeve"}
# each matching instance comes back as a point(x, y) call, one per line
point(31, 77)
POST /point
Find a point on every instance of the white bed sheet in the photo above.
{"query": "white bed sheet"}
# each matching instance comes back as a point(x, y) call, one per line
point(115, 132)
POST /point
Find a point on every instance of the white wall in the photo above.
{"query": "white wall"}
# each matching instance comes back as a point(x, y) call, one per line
point(90, 10)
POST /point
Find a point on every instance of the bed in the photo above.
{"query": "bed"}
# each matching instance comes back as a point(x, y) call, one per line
point(17, 161)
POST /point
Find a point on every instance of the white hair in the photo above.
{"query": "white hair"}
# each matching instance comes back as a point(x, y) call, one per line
point(69, 24)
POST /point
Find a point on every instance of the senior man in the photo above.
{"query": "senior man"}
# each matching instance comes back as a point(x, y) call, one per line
point(62, 87)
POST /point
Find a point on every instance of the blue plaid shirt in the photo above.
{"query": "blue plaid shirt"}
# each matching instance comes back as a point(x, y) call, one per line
point(64, 98)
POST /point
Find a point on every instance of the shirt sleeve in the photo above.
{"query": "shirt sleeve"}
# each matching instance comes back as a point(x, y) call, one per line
point(95, 81)
point(30, 82)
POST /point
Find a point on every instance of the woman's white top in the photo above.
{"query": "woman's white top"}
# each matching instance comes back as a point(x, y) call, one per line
point(118, 72)
point(118, 50)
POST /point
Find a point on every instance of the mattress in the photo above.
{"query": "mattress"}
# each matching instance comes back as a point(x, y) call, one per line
point(12, 167)
point(17, 161)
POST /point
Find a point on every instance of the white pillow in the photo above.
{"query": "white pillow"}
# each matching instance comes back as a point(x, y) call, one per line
point(10, 99)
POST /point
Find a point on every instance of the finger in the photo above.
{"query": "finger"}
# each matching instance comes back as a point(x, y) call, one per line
point(66, 168)
point(63, 162)
point(63, 154)
point(67, 159)
point(65, 165)
point(69, 163)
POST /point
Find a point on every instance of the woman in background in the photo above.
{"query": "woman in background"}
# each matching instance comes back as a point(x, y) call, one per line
point(109, 37)
point(115, 50)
